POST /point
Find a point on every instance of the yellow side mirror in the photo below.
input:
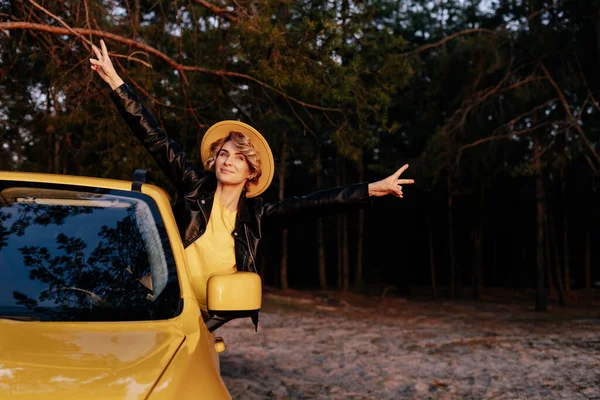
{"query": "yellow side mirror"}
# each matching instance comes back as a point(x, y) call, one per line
point(235, 295)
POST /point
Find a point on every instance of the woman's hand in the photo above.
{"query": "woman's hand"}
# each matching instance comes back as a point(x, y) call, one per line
point(390, 185)
point(104, 67)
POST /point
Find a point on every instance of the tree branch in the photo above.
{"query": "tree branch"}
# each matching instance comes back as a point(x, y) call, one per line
point(543, 10)
point(453, 36)
point(569, 113)
point(157, 102)
point(513, 121)
point(510, 124)
point(483, 95)
point(217, 10)
point(175, 65)
point(507, 136)
point(86, 42)
point(236, 105)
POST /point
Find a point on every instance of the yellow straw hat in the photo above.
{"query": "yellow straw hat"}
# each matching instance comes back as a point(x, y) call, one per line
point(222, 129)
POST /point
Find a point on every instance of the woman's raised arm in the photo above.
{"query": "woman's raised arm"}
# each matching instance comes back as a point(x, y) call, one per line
point(165, 151)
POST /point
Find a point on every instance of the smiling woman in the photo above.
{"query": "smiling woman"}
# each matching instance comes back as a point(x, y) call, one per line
point(220, 215)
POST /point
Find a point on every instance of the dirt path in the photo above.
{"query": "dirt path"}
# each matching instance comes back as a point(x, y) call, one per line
point(311, 347)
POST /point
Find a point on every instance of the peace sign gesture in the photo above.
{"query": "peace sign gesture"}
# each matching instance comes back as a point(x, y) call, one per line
point(390, 185)
point(104, 67)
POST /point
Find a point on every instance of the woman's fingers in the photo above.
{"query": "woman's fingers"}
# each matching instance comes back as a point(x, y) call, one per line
point(104, 49)
point(97, 51)
point(399, 182)
point(102, 55)
point(98, 69)
point(391, 185)
point(96, 66)
point(400, 170)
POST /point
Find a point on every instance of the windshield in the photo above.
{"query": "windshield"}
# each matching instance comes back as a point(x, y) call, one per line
point(79, 254)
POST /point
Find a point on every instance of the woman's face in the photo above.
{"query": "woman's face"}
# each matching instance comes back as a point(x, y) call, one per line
point(231, 166)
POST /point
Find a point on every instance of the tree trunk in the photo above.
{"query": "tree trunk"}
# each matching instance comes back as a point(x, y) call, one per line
point(549, 262)
point(494, 240)
point(51, 139)
point(57, 113)
point(133, 7)
point(477, 262)
point(340, 253)
point(346, 254)
point(597, 31)
point(284, 260)
point(557, 271)
point(358, 273)
point(284, 236)
point(451, 241)
point(321, 250)
point(588, 265)
point(540, 295)
point(53, 144)
point(567, 270)
point(477, 243)
point(554, 272)
point(321, 262)
point(344, 237)
point(523, 265)
point(549, 267)
point(431, 256)
point(136, 14)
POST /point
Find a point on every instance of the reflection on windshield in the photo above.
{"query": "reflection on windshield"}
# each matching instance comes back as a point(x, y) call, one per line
point(67, 255)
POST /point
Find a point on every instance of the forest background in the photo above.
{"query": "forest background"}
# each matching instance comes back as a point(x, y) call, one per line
point(493, 104)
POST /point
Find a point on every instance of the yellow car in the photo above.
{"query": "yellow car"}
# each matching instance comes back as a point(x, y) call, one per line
point(96, 295)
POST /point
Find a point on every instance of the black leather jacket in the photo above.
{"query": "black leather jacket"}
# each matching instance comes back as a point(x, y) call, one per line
point(197, 189)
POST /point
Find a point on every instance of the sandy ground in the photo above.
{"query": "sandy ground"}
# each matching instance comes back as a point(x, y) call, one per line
point(321, 346)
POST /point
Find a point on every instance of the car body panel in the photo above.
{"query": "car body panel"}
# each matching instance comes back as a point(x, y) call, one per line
point(118, 360)
point(189, 376)
point(165, 359)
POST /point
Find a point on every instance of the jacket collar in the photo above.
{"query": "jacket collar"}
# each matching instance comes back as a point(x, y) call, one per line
point(243, 209)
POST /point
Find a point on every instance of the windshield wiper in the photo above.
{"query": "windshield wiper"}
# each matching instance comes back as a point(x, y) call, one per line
point(21, 317)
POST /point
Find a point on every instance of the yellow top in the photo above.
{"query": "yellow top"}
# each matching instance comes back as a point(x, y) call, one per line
point(213, 253)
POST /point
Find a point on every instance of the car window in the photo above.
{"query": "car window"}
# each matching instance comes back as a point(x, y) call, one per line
point(79, 254)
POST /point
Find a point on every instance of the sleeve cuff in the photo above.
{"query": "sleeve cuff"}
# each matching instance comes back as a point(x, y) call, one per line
point(124, 89)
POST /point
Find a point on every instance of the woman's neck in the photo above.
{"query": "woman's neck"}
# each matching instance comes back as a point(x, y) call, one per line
point(229, 196)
